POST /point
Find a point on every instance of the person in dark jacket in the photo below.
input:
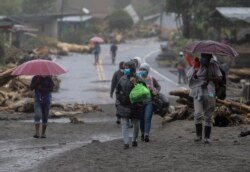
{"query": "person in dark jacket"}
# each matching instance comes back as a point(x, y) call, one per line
point(113, 50)
point(125, 109)
point(115, 79)
point(97, 51)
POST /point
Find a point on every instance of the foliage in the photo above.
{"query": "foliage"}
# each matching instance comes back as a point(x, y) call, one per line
point(81, 34)
point(180, 43)
point(120, 4)
point(120, 20)
point(195, 14)
point(10, 7)
point(37, 6)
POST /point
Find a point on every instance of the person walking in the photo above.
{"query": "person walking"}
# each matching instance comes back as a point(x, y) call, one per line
point(115, 79)
point(97, 51)
point(154, 87)
point(181, 68)
point(113, 50)
point(137, 61)
point(202, 89)
point(42, 86)
point(124, 107)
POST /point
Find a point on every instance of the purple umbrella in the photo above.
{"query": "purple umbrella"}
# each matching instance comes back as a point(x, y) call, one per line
point(210, 47)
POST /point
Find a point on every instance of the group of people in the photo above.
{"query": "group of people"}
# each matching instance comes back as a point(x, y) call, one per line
point(202, 78)
point(97, 50)
point(140, 113)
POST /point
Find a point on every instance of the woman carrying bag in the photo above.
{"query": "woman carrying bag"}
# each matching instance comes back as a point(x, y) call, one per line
point(154, 87)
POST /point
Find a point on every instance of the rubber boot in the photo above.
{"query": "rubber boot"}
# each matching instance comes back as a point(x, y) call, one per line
point(43, 131)
point(207, 134)
point(198, 128)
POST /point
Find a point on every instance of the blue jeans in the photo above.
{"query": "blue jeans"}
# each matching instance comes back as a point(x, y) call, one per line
point(145, 122)
point(41, 112)
point(125, 129)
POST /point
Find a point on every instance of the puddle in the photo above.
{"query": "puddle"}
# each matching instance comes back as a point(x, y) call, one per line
point(25, 154)
point(86, 120)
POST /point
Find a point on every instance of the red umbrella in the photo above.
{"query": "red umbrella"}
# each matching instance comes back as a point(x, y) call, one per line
point(97, 39)
point(39, 67)
point(210, 47)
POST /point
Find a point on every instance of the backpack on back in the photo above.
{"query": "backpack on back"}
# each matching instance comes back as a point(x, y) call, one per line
point(220, 87)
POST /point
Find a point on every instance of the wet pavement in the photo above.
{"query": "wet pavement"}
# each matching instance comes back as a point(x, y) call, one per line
point(83, 83)
point(87, 83)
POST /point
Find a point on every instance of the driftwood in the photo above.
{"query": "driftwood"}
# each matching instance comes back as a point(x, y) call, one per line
point(224, 113)
point(6, 76)
point(244, 72)
point(180, 93)
point(73, 47)
point(75, 120)
point(234, 104)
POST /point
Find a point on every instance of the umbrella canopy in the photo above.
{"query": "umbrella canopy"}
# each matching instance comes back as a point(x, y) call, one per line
point(97, 39)
point(39, 67)
point(210, 47)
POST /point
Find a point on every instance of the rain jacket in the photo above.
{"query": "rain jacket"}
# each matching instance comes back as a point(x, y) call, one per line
point(124, 107)
point(116, 77)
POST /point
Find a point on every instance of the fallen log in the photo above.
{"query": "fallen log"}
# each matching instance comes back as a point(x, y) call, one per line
point(180, 93)
point(6, 76)
point(73, 47)
point(243, 107)
point(244, 72)
point(237, 105)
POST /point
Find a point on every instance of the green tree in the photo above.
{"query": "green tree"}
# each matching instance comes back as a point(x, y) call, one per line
point(120, 4)
point(37, 6)
point(182, 9)
point(120, 20)
point(195, 14)
point(12, 7)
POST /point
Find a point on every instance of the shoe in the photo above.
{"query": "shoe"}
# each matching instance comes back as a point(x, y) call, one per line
point(118, 122)
point(43, 136)
point(198, 137)
point(207, 134)
point(134, 144)
point(207, 141)
point(126, 146)
point(146, 139)
point(142, 137)
point(36, 136)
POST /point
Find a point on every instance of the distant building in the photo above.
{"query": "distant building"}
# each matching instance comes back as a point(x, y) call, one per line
point(237, 19)
point(165, 23)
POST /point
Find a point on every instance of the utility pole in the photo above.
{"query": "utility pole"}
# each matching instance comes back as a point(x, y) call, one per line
point(61, 23)
point(161, 19)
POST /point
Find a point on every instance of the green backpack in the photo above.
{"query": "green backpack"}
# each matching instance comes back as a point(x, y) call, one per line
point(139, 93)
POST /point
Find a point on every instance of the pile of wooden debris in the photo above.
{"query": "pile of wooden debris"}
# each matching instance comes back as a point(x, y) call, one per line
point(16, 96)
point(227, 112)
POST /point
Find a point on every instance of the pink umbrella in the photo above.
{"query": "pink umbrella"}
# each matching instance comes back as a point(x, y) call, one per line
point(97, 39)
point(210, 47)
point(39, 67)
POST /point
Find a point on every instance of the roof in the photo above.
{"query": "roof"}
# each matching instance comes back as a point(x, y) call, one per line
point(75, 18)
point(42, 17)
point(97, 8)
point(235, 13)
point(5, 22)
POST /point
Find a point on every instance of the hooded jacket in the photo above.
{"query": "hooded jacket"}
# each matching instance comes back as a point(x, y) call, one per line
point(123, 90)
